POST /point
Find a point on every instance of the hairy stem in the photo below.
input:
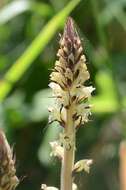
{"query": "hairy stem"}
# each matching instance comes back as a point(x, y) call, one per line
point(68, 160)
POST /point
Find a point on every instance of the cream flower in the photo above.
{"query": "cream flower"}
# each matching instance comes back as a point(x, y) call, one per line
point(83, 165)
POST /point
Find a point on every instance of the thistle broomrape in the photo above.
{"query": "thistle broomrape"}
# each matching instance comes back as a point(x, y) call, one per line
point(8, 179)
point(71, 107)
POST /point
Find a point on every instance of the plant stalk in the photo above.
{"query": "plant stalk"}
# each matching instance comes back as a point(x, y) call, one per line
point(69, 154)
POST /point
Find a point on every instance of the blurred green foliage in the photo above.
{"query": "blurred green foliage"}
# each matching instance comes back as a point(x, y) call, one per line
point(28, 46)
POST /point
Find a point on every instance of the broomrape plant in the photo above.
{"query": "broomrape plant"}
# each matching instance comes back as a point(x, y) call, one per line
point(71, 110)
point(71, 107)
point(8, 178)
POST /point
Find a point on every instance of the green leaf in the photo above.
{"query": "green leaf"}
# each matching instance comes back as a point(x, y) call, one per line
point(124, 102)
point(34, 49)
point(113, 10)
point(16, 8)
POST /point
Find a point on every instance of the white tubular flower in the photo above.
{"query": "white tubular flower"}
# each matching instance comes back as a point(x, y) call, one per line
point(57, 114)
point(45, 187)
point(74, 186)
point(61, 95)
point(57, 149)
point(82, 165)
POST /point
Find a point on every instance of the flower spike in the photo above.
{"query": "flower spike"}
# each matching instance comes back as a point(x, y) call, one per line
point(68, 78)
point(8, 178)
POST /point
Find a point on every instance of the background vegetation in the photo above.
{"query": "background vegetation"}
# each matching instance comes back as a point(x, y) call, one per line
point(28, 46)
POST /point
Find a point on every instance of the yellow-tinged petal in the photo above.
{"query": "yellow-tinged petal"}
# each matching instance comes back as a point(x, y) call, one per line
point(83, 165)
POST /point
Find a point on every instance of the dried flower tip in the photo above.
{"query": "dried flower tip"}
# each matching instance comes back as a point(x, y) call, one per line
point(8, 179)
point(45, 187)
point(57, 150)
point(82, 165)
point(70, 31)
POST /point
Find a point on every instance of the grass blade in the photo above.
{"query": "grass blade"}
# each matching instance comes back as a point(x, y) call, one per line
point(16, 8)
point(34, 49)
